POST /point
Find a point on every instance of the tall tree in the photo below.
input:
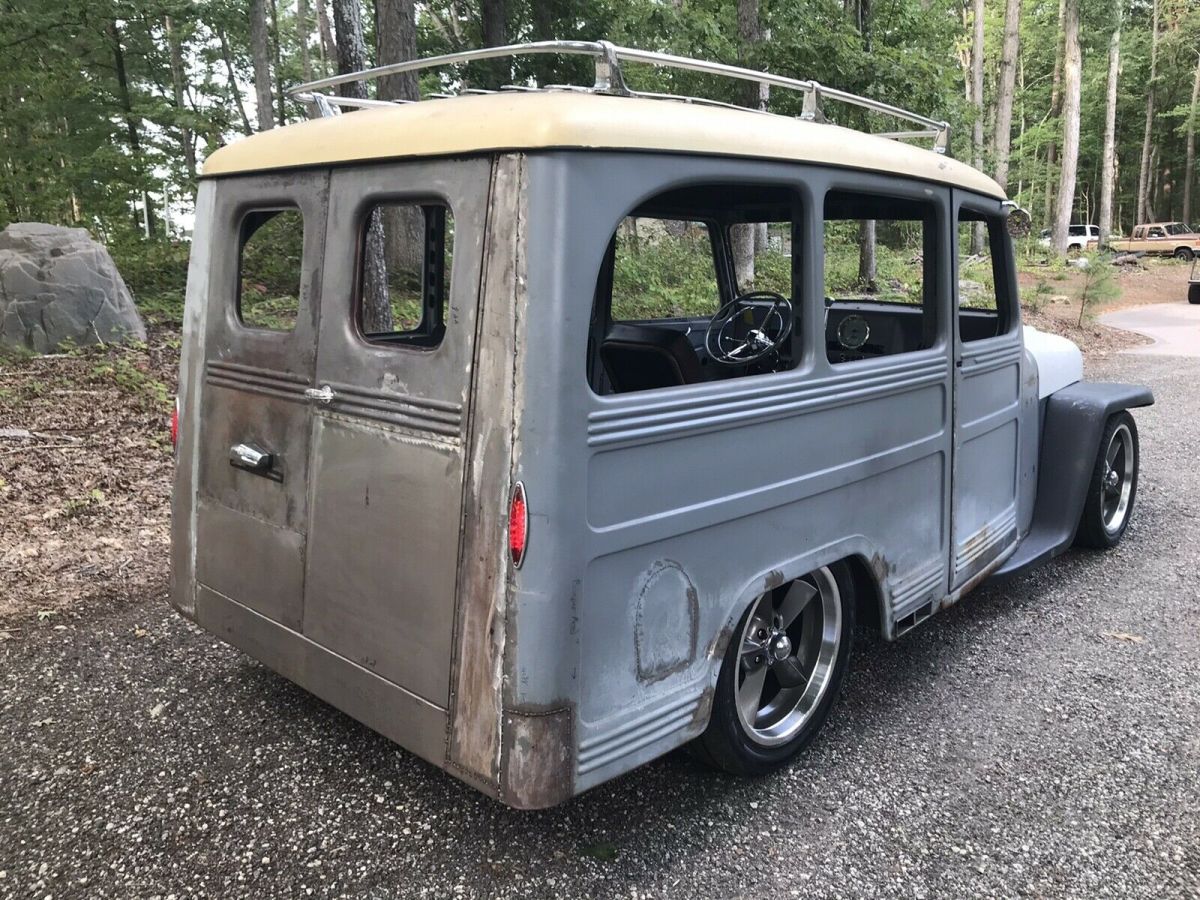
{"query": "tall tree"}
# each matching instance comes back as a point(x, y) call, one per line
point(1006, 88)
point(1055, 110)
point(750, 36)
point(396, 41)
point(260, 56)
point(186, 145)
point(325, 30)
point(493, 15)
point(1189, 176)
point(977, 109)
point(303, 30)
point(1144, 169)
point(131, 121)
point(352, 57)
point(1072, 77)
point(1108, 159)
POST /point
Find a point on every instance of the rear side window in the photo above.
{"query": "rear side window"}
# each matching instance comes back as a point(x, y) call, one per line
point(269, 255)
point(404, 273)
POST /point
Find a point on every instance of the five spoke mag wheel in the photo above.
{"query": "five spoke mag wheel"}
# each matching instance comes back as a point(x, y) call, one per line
point(1113, 487)
point(782, 672)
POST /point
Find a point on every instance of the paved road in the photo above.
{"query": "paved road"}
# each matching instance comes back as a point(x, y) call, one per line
point(1010, 747)
point(1175, 327)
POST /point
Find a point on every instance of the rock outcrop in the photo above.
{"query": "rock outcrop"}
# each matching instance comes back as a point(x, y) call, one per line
point(58, 285)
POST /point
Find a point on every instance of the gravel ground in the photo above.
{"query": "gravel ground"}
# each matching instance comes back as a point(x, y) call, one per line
point(1040, 739)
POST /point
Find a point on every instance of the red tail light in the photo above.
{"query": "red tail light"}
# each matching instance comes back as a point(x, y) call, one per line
point(518, 525)
point(175, 424)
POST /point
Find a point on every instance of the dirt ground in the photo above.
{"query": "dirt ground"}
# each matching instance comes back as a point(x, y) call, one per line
point(85, 453)
point(85, 464)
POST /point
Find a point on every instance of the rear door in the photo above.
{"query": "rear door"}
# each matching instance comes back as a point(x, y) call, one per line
point(987, 394)
point(263, 311)
point(388, 426)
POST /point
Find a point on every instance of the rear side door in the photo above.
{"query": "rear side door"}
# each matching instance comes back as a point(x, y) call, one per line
point(260, 357)
point(389, 422)
point(987, 393)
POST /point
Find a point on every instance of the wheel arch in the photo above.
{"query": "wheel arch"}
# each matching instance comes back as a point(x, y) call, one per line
point(855, 553)
point(1073, 423)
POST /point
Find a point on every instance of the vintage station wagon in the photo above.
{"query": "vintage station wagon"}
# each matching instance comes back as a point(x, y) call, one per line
point(547, 430)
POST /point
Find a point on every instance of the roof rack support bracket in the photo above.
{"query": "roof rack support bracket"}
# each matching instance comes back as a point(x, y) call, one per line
point(811, 110)
point(609, 78)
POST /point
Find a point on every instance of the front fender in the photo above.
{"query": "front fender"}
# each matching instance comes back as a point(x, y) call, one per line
point(1074, 421)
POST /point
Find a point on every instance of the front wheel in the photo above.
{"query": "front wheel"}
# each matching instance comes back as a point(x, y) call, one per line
point(1113, 486)
point(782, 673)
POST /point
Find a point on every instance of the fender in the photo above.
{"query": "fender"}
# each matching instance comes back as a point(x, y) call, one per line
point(1074, 420)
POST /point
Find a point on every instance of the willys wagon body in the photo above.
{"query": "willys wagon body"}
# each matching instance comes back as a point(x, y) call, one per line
point(584, 488)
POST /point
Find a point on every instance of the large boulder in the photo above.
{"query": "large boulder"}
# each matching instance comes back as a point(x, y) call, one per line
point(58, 285)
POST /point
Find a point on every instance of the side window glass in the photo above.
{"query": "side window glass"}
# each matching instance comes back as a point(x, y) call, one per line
point(404, 274)
point(269, 266)
point(696, 286)
point(880, 276)
point(985, 299)
point(663, 269)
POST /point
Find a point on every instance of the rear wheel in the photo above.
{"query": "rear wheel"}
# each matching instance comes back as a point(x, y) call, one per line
point(1184, 253)
point(782, 673)
point(1113, 487)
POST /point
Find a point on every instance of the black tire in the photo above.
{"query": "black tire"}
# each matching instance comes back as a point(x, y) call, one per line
point(726, 744)
point(1194, 293)
point(1101, 527)
point(1184, 253)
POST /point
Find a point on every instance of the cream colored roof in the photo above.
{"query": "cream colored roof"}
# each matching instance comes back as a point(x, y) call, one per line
point(545, 119)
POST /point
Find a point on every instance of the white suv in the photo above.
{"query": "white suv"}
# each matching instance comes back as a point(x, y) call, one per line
point(1079, 238)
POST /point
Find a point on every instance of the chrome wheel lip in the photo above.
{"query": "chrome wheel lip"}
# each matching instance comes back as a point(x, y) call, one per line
point(788, 710)
point(1116, 486)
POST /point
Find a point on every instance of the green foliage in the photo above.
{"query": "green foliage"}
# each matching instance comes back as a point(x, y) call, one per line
point(1098, 285)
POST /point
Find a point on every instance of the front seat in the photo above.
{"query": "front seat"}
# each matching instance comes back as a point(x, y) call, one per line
point(643, 357)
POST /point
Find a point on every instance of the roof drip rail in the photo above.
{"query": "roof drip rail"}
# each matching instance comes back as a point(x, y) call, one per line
point(609, 79)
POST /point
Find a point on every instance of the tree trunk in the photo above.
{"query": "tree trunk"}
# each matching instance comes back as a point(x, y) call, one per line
point(977, 101)
point(494, 16)
point(1108, 161)
point(352, 57)
point(131, 129)
point(325, 31)
point(1070, 142)
point(177, 76)
point(227, 55)
point(750, 35)
point(260, 56)
point(302, 33)
point(866, 256)
point(1148, 132)
point(280, 107)
point(1002, 139)
point(1189, 171)
point(396, 41)
point(1055, 109)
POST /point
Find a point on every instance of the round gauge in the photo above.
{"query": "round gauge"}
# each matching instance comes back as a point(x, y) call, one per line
point(853, 332)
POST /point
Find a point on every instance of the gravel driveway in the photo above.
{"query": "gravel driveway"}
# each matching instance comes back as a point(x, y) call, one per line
point(1040, 739)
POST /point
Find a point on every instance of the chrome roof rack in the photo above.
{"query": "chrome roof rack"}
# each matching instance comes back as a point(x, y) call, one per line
point(609, 79)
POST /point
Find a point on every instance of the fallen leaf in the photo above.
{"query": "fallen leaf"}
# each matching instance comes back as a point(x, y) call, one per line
point(1124, 636)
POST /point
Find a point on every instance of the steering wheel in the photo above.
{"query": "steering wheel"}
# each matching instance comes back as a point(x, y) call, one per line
point(749, 327)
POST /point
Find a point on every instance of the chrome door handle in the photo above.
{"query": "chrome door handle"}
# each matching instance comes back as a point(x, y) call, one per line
point(254, 460)
point(323, 394)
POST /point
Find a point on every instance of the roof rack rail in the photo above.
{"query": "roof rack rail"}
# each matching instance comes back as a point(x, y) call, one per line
point(610, 80)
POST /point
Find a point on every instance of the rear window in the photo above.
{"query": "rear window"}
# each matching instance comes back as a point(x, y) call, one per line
point(270, 248)
point(404, 273)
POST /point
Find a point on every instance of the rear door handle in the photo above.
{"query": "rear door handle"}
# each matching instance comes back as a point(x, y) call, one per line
point(254, 460)
point(323, 394)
